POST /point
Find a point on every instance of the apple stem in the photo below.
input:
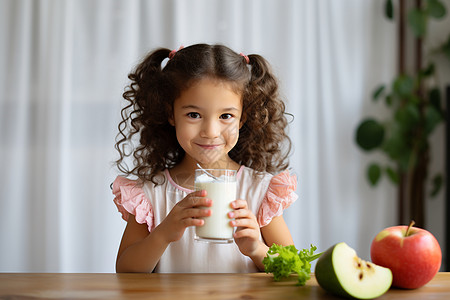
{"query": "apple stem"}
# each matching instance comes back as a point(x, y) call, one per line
point(409, 227)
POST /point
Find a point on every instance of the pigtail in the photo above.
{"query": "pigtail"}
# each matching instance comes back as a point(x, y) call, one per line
point(263, 144)
point(144, 117)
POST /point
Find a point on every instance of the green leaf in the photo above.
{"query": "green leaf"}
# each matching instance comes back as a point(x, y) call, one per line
point(389, 100)
point(378, 91)
point(369, 134)
point(436, 185)
point(417, 20)
point(428, 71)
point(436, 9)
point(432, 119)
point(403, 86)
point(284, 260)
point(408, 116)
point(389, 9)
point(446, 48)
point(394, 147)
point(415, 99)
point(284, 264)
point(373, 174)
point(392, 174)
point(435, 99)
point(398, 145)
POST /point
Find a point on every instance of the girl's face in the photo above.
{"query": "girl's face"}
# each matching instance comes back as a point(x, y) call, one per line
point(207, 119)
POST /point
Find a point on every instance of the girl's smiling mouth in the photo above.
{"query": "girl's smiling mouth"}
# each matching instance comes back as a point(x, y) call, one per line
point(209, 146)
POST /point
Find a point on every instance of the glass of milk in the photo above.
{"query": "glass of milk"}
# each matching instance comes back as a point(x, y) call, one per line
point(220, 185)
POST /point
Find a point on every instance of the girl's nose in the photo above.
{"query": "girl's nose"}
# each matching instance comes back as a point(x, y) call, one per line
point(210, 129)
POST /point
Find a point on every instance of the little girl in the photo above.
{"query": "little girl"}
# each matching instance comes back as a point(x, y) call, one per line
point(210, 106)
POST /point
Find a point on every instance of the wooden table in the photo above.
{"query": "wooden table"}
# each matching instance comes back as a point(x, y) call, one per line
point(184, 286)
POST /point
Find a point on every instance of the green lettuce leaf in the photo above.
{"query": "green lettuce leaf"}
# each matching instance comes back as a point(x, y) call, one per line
point(283, 261)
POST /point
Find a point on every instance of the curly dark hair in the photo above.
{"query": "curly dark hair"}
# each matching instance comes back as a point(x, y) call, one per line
point(263, 144)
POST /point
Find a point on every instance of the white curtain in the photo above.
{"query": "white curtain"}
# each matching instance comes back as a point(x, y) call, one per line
point(63, 67)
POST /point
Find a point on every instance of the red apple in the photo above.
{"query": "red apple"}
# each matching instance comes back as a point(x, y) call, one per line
point(413, 255)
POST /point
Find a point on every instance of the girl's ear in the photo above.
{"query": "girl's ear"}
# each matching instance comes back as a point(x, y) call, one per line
point(170, 118)
point(243, 120)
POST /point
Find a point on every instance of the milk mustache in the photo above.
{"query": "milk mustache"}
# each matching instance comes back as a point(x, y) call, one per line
point(222, 191)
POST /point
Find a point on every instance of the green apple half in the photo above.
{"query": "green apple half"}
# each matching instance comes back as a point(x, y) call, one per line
point(341, 272)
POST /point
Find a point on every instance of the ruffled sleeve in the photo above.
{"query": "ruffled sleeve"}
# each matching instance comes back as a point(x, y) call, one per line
point(280, 195)
point(131, 199)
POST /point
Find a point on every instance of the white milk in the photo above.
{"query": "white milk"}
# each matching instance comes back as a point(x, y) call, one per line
point(217, 226)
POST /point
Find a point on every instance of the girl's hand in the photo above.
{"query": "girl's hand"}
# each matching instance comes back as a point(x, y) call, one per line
point(247, 235)
point(184, 214)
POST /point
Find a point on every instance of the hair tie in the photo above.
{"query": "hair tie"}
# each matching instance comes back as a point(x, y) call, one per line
point(172, 53)
point(245, 56)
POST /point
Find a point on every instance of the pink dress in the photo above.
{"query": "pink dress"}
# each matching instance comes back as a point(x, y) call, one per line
point(267, 196)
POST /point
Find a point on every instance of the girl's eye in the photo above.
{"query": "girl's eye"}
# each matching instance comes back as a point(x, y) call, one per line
point(193, 115)
point(226, 116)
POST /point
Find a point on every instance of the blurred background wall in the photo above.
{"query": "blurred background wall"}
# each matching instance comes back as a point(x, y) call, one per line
point(63, 68)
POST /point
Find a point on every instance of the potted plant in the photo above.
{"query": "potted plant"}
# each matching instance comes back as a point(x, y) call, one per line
point(415, 102)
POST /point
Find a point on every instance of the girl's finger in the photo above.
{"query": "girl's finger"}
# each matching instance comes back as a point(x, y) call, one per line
point(196, 213)
point(245, 233)
point(246, 223)
point(200, 193)
point(195, 199)
point(192, 222)
point(239, 204)
point(199, 201)
point(240, 213)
